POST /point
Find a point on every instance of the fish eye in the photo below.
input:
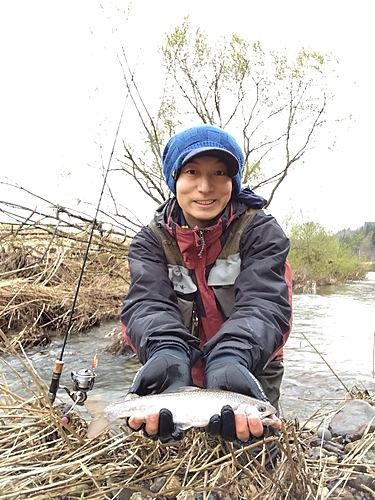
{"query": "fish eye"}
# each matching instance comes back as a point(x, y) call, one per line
point(262, 409)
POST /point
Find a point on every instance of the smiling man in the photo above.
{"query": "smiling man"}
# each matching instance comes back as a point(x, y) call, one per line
point(210, 297)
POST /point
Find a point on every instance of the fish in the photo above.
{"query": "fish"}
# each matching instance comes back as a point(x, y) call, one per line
point(190, 407)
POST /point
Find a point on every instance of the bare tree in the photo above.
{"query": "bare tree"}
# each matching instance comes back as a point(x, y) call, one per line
point(276, 103)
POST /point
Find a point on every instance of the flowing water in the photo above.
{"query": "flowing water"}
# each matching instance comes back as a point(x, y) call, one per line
point(331, 347)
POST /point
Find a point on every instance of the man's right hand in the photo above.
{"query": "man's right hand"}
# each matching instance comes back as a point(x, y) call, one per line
point(167, 370)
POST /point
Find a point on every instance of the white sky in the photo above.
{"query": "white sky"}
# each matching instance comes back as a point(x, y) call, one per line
point(62, 91)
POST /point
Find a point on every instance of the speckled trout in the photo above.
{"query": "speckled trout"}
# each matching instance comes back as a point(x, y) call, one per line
point(190, 407)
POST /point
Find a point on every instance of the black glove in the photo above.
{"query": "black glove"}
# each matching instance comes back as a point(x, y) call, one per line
point(228, 372)
point(166, 371)
point(223, 425)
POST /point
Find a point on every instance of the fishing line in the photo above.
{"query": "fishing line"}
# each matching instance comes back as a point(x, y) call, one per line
point(58, 366)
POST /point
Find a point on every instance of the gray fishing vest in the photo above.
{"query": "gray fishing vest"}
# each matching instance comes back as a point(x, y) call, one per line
point(221, 277)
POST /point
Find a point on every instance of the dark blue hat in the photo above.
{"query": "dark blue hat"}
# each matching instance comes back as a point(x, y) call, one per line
point(204, 140)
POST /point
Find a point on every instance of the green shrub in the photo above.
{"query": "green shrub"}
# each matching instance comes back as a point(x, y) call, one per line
point(317, 255)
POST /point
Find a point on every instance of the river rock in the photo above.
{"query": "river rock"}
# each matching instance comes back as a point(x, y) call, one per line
point(120, 493)
point(362, 482)
point(173, 484)
point(318, 454)
point(349, 447)
point(360, 432)
point(342, 494)
point(324, 434)
point(158, 484)
point(369, 457)
point(351, 417)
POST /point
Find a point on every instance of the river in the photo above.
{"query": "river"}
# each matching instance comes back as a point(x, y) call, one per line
point(331, 346)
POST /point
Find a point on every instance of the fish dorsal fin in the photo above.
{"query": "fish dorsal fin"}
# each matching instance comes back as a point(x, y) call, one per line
point(188, 388)
point(131, 396)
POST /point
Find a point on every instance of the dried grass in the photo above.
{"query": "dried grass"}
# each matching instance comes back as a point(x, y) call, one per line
point(39, 276)
point(43, 458)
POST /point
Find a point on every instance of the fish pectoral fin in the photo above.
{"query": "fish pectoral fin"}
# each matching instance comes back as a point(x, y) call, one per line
point(240, 408)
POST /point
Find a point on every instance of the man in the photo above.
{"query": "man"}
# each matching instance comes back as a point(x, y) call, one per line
point(218, 313)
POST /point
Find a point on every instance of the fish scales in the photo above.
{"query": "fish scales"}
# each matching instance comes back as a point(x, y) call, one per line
point(190, 407)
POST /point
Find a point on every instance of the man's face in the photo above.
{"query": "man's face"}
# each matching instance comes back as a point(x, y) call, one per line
point(203, 189)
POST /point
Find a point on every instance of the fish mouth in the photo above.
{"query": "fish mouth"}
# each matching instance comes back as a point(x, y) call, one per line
point(266, 412)
point(268, 415)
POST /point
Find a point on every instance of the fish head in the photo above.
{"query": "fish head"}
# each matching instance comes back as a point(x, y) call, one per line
point(262, 409)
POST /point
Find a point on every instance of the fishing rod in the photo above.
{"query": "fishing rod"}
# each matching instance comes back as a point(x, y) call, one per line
point(83, 380)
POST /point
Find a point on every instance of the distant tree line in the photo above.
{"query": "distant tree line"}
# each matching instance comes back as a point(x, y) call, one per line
point(360, 241)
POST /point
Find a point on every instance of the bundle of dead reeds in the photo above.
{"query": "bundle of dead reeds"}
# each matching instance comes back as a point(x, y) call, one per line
point(38, 279)
point(43, 458)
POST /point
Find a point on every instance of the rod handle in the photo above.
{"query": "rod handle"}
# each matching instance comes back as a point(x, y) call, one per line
point(57, 369)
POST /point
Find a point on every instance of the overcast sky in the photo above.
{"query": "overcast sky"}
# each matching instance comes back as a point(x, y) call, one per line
point(62, 91)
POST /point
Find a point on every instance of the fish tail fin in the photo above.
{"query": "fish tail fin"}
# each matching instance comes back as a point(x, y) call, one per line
point(98, 423)
point(96, 427)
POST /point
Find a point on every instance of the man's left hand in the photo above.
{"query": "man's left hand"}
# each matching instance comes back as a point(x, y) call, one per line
point(227, 373)
point(231, 426)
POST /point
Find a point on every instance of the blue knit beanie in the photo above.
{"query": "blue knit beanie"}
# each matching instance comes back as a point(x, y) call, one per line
point(204, 140)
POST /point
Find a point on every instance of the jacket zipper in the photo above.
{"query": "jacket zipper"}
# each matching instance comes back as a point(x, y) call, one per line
point(201, 241)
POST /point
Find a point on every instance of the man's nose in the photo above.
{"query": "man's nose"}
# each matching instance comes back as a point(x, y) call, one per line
point(204, 184)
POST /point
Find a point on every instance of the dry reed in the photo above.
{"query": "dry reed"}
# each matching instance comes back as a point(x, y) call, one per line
point(43, 458)
point(38, 279)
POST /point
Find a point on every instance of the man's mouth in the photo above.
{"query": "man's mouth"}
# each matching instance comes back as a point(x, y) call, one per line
point(204, 202)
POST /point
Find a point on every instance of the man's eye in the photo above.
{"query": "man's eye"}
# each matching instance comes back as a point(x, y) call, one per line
point(221, 172)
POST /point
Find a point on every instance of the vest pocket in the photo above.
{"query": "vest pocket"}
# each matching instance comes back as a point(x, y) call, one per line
point(221, 279)
point(182, 282)
point(185, 289)
point(225, 271)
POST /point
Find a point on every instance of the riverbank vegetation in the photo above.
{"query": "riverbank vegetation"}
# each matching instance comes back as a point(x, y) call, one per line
point(40, 267)
point(319, 258)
